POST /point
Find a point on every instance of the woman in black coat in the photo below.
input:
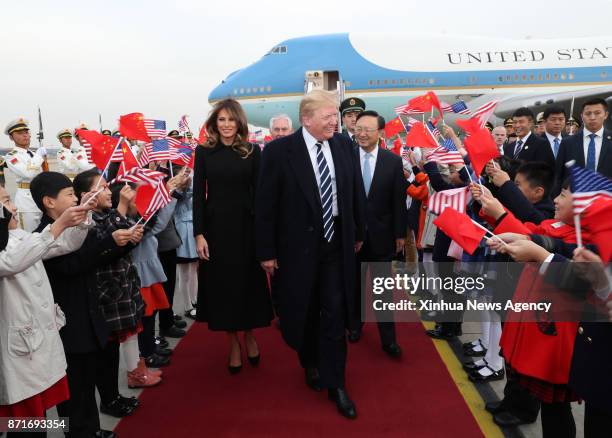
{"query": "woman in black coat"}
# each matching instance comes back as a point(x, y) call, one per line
point(232, 290)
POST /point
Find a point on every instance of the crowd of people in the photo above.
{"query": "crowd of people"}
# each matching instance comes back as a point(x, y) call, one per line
point(290, 230)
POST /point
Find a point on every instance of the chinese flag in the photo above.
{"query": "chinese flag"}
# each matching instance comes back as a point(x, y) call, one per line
point(419, 136)
point(425, 103)
point(397, 147)
point(144, 195)
point(470, 126)
point(460, 228)
point(394, 127)
point(596, 220)
point(129, 160)
point(481, 148)
point(102, 146)
point(132, 127)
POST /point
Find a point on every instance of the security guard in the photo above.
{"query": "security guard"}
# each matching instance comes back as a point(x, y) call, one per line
point(106, 132)
point(174, 134)
point(539, 129)
point(71, 161)
point(349, 109)
point(509, 125)
point(25, 165)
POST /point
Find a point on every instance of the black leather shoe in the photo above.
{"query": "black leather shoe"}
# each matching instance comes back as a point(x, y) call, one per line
point(173, 332)
point(470, 366)
point(495, 407)
point(475, 376)
point(473, 353)
point(234, 369)
point(155, 361)
point(105, 434)
point(344, 404)
point(116, 409)
point(177, 317)
point(254, 360)
point(506, 419)
point(129, 401)
point(440, 333)
point(163, 351)
point(354, 336)
point(393, 350)
point(180, 323)
point(160, 341)
point(313, 379)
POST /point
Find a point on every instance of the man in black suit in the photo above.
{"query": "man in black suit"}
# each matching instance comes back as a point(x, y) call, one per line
point(554, 123)
point(384, 188)
point(590, 147)
point(528, 146)
point(309, 224)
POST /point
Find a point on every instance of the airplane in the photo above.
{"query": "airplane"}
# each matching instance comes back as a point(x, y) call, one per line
point(387, 70)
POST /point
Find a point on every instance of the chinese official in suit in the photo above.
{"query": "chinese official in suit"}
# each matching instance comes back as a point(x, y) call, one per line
point(309, 224)
point(384, 188)
point(590, 147)
point(528, 147)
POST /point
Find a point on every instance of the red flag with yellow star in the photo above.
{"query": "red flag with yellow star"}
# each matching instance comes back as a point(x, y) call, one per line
point(129, 160)
point(394, 127)
point(102, 146)
point(132, 126)
point(425, 103)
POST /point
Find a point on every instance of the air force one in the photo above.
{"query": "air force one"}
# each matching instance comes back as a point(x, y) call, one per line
point(387, 70)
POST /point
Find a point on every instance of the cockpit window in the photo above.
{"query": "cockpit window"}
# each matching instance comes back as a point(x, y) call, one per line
point(278, 50)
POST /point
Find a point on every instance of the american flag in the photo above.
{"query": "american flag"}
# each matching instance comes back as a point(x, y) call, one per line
point(454, 198)
point(141, 175)
point(433, 128)
point(160, 199)
point(484, 112)
point(459, 107)
point(87, 146)
point(155, 128)
point(182, 154)
point(143, 156)
point(117, 156)
point(411, 121)
point(446, 156)
point(405, 109)
point(183, 126)
point(159, 149)
point(587, 186)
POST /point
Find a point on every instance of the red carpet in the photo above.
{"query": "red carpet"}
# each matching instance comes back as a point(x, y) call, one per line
point(414, 397)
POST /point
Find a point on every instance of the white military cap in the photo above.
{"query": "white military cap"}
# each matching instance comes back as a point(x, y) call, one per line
point(19, 124)
point(64, 133)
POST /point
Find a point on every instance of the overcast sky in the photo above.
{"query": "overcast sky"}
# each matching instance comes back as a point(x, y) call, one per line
point(77, 59)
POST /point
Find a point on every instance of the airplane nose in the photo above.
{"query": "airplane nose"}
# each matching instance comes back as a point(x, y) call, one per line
point(221, 91)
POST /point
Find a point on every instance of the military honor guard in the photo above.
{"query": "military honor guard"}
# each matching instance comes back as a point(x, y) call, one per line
point(349, 110)
point(25, 165)
point(71, 161)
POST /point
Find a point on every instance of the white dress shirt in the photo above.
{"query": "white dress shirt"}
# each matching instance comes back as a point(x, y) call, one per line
point(311, 146)
point(373, 157)
point(587, 140)
point(551, 140)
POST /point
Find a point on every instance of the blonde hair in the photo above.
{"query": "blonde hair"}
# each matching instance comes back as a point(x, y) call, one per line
point(315, 100)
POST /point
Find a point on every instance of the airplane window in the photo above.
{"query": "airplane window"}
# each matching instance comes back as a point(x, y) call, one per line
point(571, 76)
point(508, 78)
point(284, 49)
point(432, 80)
point(524, 77)
point(563, 76)
point(604, 74)
point(548, 76)
point(261, 89)
point(386, 82)
point(556, 76)
point(269, 88)
point(235, 91)
point(539, 77)
point(248, 90)
point(377, 81)
point(393, 82)
point(500, 79)
point(516, 77)
point(242, 91)
point(531, 77)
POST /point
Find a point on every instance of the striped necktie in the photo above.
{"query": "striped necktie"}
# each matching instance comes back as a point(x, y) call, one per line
point(518, 148)
point(325, 187)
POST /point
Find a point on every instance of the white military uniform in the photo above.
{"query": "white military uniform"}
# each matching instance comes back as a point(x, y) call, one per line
point(72, 161)
point(25, 165)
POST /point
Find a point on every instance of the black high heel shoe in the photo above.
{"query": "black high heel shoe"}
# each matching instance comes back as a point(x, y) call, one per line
point(254, 361)
point(235, 369)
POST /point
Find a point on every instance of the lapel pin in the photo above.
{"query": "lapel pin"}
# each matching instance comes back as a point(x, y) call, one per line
point(526, 147)
point(609, 138)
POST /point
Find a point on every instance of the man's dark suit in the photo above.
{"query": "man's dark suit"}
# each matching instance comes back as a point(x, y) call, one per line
point(385, 222)
point(572, 148)
point(315, 279)
point(535, 148)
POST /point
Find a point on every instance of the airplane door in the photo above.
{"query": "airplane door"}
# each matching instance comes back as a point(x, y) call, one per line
point(323, 80)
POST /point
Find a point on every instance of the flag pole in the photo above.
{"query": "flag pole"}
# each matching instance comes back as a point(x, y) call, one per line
point(108, 163)
point(578, 230)
point(488, 231)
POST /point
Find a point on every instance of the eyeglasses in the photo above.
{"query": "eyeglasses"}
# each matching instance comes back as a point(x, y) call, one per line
point(359, 130)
